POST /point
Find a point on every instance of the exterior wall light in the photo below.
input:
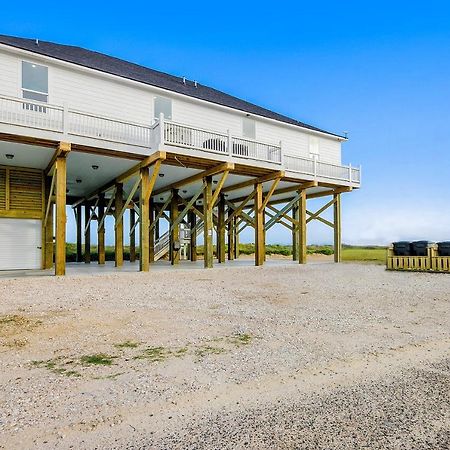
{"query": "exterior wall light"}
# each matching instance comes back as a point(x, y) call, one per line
point(95, 167)
point(161, 175)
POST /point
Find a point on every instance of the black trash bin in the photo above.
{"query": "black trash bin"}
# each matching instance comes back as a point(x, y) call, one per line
point(420, 248)
point(402, 248)
point(444, 248)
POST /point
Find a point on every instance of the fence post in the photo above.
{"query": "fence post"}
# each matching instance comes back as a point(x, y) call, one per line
point(281, 152)
point(350, 173)
point(315, 168)
point(230, 143)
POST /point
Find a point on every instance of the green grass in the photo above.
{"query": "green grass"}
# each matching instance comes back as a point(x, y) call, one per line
point(127, 344)
point(154, 354)
point(205, 350)
point(277, 249)
point(241, 339)
point(71, 253)
point(51, 365)
point(99, 359)
point(375, 255)
point(371, 254)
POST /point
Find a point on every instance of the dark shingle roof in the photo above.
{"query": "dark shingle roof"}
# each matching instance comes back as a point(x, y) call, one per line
point(124, 69)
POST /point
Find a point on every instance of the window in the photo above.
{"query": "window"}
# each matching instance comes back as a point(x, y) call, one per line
point(314, 147)
point(162, 105)
point(248, 128)
point(34, 82)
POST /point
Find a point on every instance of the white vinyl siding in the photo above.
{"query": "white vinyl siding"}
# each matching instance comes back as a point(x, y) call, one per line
point(9, 75)
point(20, 241)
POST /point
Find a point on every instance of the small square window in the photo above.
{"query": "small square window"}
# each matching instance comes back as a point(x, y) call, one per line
point(163, 105)
point(249, 128)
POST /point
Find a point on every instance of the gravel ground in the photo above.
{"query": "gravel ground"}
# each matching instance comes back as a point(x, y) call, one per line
point(321, 356)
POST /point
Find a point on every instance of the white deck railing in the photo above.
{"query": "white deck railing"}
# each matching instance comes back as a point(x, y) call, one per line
point(186, 136)
point(247, 148)
point(212, 141)
point(322, 169)
point(106, 129)
point(31, 114)
point(59, 119)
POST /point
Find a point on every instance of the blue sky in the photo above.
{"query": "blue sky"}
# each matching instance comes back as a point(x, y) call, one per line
point(380, 70)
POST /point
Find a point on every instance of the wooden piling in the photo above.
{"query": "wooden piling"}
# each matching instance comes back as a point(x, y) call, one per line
point(118, 229)
point(208, 224)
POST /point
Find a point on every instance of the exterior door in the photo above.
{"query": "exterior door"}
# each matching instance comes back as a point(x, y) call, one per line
point(20, 244)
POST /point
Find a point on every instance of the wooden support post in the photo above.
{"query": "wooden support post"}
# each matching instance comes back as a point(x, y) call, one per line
point(221, 229)
point(87, 233)
point(61, 218)
point(118, 229)
point(264, 233)
point(144, 261)
point(48, 231)
point(237, 251)
point(101, 230)
point(295, 231)
point(231, 236)
point(208, 224)
point(193, 238)
point(175, 230)
point(151, 237)
point(132, 235)
point(78, 218)
point(259, 226)
point(302, 227)
point(337, 228)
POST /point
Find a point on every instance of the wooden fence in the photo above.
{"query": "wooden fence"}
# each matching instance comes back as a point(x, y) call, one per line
point(432, 262)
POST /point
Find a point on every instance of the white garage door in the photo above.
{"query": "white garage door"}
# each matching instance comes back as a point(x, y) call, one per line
point(20, 244)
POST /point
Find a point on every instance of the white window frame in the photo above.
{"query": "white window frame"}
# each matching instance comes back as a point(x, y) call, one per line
point(314, 147)
point(249, 120)
point(156, 116)
point(22, 89)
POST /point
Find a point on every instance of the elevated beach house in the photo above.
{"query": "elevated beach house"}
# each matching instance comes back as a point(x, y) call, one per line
point(112, 138)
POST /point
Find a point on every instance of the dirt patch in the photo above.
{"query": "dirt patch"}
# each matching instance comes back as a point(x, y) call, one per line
point(15, 330)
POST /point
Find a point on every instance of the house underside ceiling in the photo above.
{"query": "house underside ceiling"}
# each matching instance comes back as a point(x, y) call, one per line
point(87, 172)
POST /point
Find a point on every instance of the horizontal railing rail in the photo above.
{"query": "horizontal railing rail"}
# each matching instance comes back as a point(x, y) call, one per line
point(248, 148)
point(107, 129)
point(322, 169)
point(197, 138)
point(162, 245)
point(213, 141)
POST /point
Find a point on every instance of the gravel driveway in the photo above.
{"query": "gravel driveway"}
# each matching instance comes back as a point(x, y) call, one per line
point(321, 356)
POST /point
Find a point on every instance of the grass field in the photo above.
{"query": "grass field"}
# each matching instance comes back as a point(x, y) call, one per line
point(376, 255)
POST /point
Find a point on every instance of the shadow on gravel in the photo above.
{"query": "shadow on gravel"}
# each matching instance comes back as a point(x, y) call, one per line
point(411, 412)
